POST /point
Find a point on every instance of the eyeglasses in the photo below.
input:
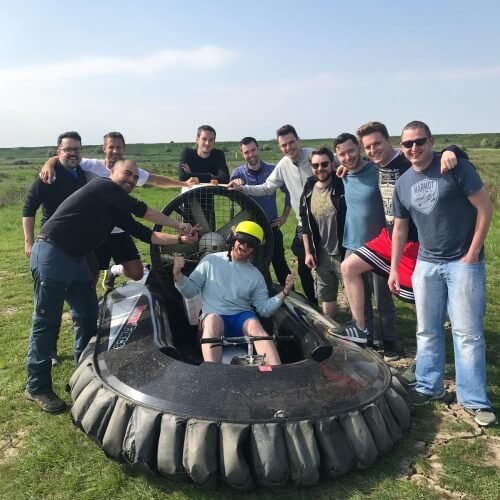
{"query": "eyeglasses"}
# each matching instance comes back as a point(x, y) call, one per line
point(323, 164)
point(248, 240)
point(71, 150)
point(418, 142)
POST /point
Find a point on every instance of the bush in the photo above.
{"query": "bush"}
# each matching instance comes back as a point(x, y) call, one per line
point(51, 153)
point(496, 143)
point(484, 143)
point(266, 147)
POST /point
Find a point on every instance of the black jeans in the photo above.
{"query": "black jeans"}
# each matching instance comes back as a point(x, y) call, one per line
point(304, 272)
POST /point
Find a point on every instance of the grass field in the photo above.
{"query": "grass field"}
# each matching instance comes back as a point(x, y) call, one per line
point(44, 456)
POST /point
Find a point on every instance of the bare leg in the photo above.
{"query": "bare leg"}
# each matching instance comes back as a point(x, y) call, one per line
point(213, 327)
point(329, 308)
point(253, 328)
point(352, 269)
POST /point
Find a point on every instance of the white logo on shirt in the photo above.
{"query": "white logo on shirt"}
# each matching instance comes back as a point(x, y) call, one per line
point(424, 195)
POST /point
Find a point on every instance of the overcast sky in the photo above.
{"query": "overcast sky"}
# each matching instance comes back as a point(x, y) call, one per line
point(155, 70)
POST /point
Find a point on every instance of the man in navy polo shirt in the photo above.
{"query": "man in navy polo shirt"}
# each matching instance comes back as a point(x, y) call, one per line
point(254, 172)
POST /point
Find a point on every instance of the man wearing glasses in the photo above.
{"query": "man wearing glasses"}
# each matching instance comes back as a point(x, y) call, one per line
point(375, 255)
point(119, 246)
point(50, 196)
point(452, 213)
point(231, 287)
point(322, 213)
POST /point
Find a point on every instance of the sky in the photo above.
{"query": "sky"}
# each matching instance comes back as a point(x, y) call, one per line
point(156, 70)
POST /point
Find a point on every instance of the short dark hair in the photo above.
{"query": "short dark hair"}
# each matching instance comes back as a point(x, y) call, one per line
point(205, 128)
point(287, 129)
point(322, 151)
point(248, 140)
point(114, 135)
point(344, 137)
point(69, 135)
point(418, 124)
point(372, 127)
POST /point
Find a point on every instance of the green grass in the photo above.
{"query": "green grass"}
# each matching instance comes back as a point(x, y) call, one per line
point(45, 456)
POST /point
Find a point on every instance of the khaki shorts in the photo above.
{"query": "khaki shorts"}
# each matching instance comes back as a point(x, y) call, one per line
point(327, 276)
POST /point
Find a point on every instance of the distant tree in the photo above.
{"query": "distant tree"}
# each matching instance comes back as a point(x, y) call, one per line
point(484, 143)
point(496, 143)
point(265, 147)
point(167, 149)
point(51, 152)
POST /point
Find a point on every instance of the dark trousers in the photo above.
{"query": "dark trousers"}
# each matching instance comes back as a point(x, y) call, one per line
point(304, 272)
point(279, 262)
point(58, 277)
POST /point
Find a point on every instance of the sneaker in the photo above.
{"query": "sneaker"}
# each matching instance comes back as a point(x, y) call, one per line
point(483, 416)
point(420, 398)
point(108, 281)
point(409, 375)
point(351, 331)
point(49, 402)
point(390, 352)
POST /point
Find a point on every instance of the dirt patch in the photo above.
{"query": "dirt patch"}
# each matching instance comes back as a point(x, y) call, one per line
point(9, 448)
point(9, 311)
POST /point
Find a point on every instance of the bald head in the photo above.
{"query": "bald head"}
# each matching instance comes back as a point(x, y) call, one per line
point(125, 173)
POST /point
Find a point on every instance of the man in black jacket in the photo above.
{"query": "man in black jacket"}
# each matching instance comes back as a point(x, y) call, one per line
point(322, 213)
point(80, 224)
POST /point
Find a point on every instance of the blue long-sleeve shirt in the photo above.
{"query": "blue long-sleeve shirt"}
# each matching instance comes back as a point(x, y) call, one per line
point(228, 287)
point(256, 177)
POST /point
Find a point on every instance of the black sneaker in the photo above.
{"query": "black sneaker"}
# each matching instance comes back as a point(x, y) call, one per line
point(409, 375)
point(483, 416)
point(390, 352)
point(49, 402)
point(420, 398)
point(351, 331)
point(108, 281)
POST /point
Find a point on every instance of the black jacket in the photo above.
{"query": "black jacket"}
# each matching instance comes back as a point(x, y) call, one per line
point(309, 226)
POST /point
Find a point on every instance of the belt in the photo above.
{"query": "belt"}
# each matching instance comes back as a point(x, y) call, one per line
point(42, 237)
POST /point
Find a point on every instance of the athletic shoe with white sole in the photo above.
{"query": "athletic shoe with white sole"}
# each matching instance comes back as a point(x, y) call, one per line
point(351, 331)
point(483, 416)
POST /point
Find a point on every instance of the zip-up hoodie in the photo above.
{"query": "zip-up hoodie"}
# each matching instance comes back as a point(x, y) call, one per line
point(309, 225)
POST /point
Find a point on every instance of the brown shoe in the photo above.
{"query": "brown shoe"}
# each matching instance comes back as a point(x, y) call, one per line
point(49, 402)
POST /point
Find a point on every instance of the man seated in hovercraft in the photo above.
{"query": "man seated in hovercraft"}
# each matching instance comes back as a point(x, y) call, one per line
point(232, 289)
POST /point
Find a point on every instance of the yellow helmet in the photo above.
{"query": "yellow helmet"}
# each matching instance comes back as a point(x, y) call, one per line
point(251, 228)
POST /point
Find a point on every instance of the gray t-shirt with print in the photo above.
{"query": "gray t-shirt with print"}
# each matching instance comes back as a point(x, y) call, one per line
point(438, 205)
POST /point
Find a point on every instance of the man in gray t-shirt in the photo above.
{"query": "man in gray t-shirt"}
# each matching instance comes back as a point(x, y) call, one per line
point(452, 213)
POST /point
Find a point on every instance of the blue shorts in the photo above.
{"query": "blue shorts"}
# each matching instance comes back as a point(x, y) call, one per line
point(233, 323)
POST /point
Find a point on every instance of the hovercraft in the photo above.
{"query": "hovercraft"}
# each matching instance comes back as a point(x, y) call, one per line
point(143, 393)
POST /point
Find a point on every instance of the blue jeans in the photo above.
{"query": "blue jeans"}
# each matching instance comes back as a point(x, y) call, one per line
point(58, 277)
point(460, 288)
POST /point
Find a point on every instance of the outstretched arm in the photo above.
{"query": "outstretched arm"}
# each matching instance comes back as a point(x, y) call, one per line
point(166, 182)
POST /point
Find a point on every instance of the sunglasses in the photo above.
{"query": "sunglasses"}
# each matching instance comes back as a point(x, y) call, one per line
point(248, 240)
point(418, 142)
point(323, 164)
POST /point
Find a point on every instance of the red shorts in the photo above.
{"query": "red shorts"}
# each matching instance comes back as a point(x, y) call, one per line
point(377, 253)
